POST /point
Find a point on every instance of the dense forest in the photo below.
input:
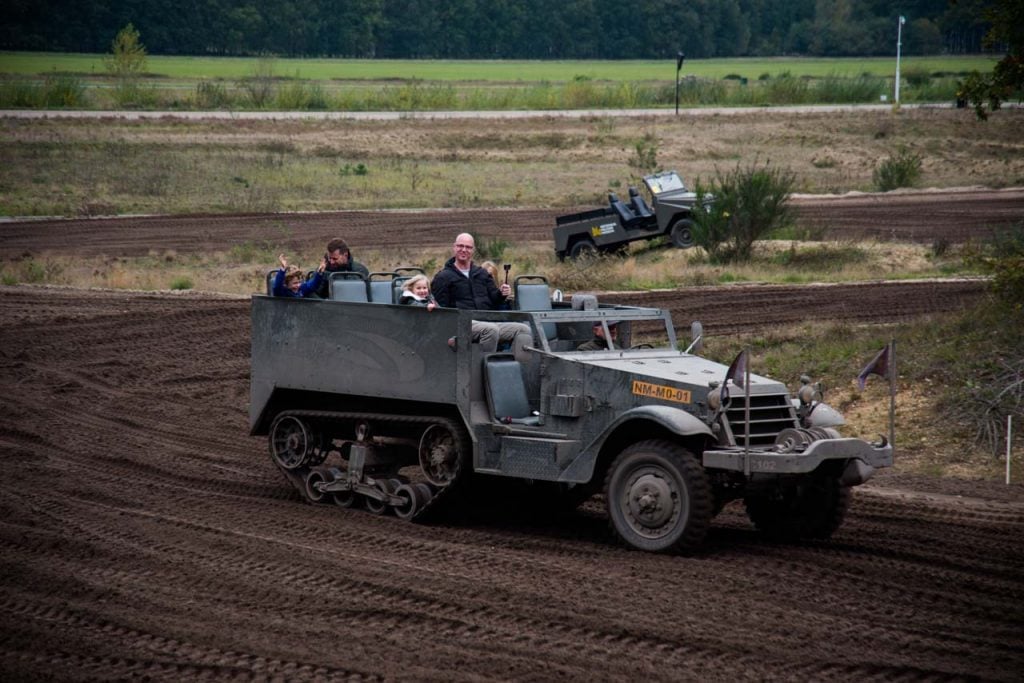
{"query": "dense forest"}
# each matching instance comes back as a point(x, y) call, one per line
point(499, 29)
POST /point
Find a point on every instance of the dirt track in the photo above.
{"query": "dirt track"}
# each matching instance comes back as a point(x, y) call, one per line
point(953, 216)
point(144, 535)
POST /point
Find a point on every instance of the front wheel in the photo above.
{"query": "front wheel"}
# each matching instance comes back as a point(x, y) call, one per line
point(681, 234)
point(658, 497)
point(813, 507)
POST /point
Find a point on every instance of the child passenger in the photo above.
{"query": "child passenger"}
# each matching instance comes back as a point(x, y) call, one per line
point(416, 292)
point(290, 281)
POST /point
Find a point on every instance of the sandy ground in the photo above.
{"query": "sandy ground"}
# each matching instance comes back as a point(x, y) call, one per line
point(145, 535)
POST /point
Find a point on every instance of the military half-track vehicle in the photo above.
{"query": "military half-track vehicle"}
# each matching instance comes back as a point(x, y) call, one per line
point(611, 228)
point(392, 408)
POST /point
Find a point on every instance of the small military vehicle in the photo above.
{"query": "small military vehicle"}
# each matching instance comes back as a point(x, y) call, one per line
point(370, 404)
point(609, 229)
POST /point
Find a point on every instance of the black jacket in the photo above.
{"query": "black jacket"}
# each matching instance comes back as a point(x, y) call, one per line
point(353, 266)
point(452, 289)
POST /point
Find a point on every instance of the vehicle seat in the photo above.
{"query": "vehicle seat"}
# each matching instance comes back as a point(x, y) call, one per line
point(535, 296)
point(380, 288)
point(506, 390)
point(637, 203)
point(621, 210)
point(349, 286)
point(271, 274)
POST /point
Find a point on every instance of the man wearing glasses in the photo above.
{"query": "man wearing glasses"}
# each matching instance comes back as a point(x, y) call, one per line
point(462, 284)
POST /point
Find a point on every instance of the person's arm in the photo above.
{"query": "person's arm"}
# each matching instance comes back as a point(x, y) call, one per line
point(495, 294)
point(278, 283)
point(312, 285)
point(439, 289)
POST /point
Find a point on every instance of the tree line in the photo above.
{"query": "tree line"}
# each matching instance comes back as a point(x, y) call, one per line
point(501, 29)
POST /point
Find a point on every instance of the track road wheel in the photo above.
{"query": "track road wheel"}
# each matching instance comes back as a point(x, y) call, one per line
point(583, 249)
point(813, 507)
point(681, 234)
point(658, 497)
point(313, 480)
point(292, 443)
point(347, 499)
point(414, 497)
point(380, 507)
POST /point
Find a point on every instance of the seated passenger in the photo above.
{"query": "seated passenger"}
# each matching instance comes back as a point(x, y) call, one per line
point(339, 260)
point(416, 292)
point(599, 343)
point(290, 280)
point(463, 284)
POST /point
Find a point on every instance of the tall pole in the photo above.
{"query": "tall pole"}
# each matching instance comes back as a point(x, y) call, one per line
point(679, 65)
point(899, 45)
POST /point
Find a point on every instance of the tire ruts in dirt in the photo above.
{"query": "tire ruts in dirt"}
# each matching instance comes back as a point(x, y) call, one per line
point(143, 534)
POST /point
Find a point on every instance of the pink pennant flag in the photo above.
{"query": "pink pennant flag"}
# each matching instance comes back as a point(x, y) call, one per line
point(878, 366)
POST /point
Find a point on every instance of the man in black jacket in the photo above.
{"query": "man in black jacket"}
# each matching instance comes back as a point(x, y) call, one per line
point(339, 260)
point(462, 284)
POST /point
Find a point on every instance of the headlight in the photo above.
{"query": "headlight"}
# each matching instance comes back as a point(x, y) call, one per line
point(715, 398)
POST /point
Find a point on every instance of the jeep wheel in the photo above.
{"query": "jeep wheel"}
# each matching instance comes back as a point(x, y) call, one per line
point(681, 234)
point(583, 248)
point(658, 497)
point(812, 508)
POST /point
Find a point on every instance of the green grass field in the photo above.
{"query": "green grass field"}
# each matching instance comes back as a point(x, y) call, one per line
point(496, 71)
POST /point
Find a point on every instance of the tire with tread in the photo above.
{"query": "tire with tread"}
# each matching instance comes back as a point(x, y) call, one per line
point(681, 234)
point(583, 248)
point(812, 508)
point(658, 497)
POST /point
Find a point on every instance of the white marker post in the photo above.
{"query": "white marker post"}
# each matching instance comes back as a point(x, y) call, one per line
point(899, 44)
point(1009, 440)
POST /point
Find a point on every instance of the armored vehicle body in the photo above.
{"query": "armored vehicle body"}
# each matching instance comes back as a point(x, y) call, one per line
point(392, 408)
point(610, 228)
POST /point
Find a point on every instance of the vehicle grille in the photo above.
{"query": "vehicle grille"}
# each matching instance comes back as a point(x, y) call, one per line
point(769, 415)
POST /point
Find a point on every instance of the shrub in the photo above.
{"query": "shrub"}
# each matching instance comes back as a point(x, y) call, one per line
point(1003, 259)
point(747, 204)
point(181, 283)
point(492, 248)
point(901, 169)
point(20, 92)
point(645, 157)
point(212, 95)
point(63, 91)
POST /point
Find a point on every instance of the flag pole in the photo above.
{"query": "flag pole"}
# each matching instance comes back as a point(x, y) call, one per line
point(746, 411)
point(892, 394)
point(1009, 440)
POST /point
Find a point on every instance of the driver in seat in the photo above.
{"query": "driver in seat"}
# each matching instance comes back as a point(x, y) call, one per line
point(599, 343)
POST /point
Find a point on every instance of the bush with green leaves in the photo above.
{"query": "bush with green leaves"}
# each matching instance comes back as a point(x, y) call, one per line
point(1003, 259)
point(127, 63)
point(212, 95)
point(743, 205)
point(901, 169)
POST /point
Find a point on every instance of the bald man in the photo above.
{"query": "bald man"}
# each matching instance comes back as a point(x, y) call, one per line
point(463, 284)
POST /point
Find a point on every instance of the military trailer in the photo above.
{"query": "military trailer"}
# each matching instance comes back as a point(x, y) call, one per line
point(392, 408)
point(611, 228)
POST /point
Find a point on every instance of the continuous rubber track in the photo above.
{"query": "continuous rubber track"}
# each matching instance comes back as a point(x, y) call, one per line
point(947, 216)
point(144, 535)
